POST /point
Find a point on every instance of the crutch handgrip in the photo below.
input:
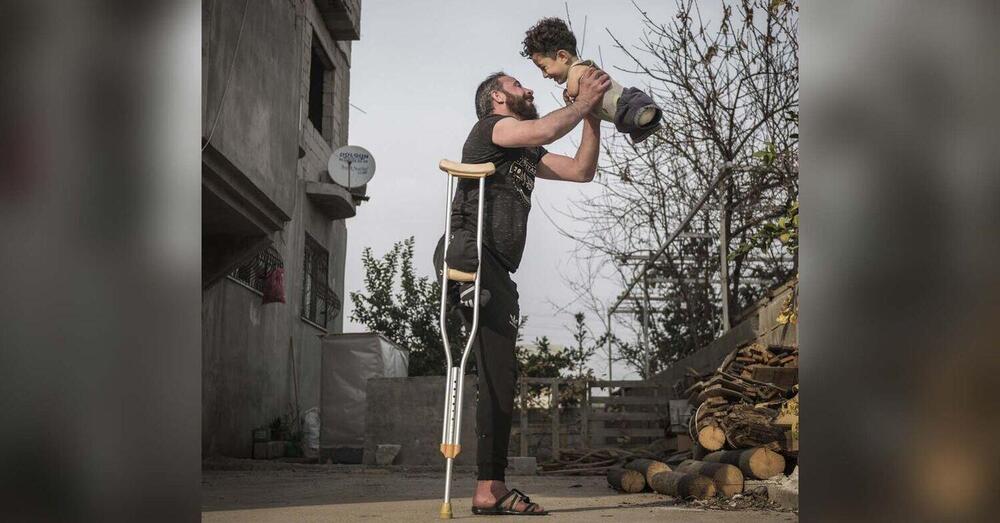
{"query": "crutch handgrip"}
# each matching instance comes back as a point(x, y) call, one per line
point(457, 275)
point(467, 170)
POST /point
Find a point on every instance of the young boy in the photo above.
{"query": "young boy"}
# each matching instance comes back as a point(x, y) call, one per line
point(552, 47)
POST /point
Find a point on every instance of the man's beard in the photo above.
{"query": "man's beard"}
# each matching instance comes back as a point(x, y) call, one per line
point(521, 107)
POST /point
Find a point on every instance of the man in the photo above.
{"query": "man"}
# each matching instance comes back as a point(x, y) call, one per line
point(509, 134)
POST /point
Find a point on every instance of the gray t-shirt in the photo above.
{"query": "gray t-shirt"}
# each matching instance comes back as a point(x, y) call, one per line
point(508, 192)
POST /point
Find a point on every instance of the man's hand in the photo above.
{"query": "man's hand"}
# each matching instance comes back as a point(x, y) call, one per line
point(593, 84)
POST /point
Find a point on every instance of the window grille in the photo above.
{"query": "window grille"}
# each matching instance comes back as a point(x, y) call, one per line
point(319, 302)
point(253, 272)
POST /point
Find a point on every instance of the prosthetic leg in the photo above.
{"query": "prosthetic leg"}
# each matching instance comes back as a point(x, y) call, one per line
point(455, 380)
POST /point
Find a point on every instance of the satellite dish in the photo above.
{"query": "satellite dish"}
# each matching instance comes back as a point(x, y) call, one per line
point(351, 166)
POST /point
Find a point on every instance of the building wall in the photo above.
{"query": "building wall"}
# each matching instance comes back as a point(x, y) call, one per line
point(247, 362)
point(257, 128)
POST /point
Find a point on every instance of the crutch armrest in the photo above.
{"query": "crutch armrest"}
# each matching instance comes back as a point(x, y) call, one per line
point(467, 170)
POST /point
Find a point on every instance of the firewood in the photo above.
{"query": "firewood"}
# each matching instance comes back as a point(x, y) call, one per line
point(711, 436)
point(728, 479)
point(625, 480)
point(647, 467)
point(757, 463)
point(683, 485)
point(718, 390)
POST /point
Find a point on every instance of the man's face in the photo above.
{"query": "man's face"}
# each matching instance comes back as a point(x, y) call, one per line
point(519, 100)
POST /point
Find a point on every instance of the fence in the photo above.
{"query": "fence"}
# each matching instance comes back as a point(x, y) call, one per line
point(570, 415)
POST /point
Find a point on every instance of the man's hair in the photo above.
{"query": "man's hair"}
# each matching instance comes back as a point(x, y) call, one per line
point(484, 98)
point(548, 36)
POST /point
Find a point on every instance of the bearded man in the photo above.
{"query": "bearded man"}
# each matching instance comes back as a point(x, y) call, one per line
point(509, 134)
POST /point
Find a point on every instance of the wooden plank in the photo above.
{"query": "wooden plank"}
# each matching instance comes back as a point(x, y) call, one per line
point(554, 403)
point(653, 432)
point(634, 384)
point(628, 416)
point(524, 419)
point(784, 377)
point(539, 381)
point(629, 400)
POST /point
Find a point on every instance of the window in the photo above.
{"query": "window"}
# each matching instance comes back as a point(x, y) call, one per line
point(253, 272)
point(319, 302)
point(320, 90)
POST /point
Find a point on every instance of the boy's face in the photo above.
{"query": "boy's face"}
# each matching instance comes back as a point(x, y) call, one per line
point(555, 68)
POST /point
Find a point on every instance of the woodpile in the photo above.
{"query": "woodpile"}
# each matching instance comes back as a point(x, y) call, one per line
point(739, 405)
point(743, 426)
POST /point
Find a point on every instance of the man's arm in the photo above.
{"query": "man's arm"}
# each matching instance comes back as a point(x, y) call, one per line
point(511, 132)
point(583, 166)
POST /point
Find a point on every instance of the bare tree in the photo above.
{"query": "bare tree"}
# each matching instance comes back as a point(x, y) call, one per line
point(729, 90)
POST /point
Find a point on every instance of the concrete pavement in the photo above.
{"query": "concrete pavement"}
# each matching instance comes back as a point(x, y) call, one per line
point(319, 493)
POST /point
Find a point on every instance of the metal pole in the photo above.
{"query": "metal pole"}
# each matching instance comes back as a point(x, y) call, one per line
point(663, 248)
point(723, 255)
point(645, 326)
point(610, 312)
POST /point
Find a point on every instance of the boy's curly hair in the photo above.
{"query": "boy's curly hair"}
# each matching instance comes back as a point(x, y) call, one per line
point(548, 36)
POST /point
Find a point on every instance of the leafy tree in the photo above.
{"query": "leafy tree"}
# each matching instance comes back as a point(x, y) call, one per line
point(405, 308)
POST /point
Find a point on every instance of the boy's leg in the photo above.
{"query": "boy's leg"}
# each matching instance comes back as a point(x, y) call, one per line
point(637, 114)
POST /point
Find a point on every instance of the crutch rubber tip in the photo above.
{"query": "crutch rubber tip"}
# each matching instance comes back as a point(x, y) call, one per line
point(446, 510)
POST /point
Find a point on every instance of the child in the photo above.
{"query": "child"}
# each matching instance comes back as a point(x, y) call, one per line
point(552, 47)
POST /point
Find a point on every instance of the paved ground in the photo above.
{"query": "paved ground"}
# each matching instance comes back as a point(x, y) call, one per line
point(324, 493)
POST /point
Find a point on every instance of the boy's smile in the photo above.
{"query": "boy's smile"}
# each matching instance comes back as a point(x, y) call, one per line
point(553, 68)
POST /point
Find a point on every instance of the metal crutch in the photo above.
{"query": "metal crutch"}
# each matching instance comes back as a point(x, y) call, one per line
point(455, 380)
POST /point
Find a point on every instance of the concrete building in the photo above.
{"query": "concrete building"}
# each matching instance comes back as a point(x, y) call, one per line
point(275, 85)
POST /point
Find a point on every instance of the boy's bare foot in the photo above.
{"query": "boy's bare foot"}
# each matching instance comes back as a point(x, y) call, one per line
point(488, 492)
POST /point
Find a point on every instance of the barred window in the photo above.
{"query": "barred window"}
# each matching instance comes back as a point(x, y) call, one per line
point(253, 272)
point(319, 302)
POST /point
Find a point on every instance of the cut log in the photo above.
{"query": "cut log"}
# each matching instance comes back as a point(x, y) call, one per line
point(625, 480)
point(756, 463)
point(683, 485)
point(728, 479)
point(647, 467)
point(711, 437)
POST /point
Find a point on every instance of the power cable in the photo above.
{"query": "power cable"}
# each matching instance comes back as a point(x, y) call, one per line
point(229, 76)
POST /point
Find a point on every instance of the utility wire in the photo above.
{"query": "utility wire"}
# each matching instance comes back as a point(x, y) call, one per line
point(229, 77)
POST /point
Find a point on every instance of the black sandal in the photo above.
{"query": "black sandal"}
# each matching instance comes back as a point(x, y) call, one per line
point(503, 508)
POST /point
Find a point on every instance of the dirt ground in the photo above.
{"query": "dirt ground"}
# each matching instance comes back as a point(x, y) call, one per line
point(331, 493)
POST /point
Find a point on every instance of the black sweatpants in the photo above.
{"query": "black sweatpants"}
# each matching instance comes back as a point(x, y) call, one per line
point(494, 351)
